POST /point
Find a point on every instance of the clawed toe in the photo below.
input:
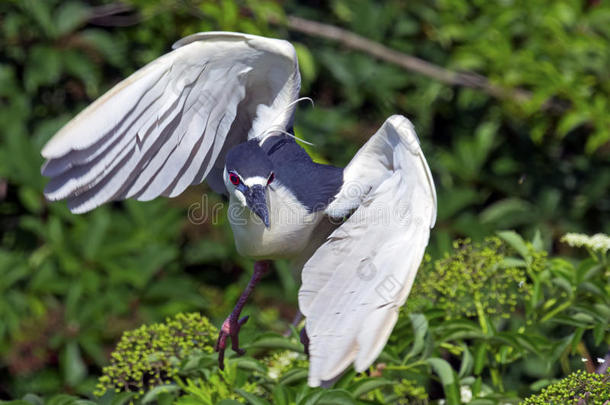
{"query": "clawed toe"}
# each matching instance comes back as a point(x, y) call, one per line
point(231, 325)
point(230, 328)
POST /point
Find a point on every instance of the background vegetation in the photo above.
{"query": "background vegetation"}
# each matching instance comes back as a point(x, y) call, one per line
point(493, 318)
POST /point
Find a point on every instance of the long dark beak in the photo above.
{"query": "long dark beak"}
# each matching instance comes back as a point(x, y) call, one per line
point(257, 202)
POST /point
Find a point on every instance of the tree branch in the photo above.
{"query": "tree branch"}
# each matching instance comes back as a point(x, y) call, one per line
point(110, 14)
point(113, 15)
point(412, 63)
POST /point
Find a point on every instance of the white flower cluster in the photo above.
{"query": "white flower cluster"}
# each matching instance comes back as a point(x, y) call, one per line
point(599, 242)
point(465, 394)
point(280, 363)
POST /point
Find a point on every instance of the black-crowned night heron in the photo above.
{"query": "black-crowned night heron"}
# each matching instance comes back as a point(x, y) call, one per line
point(220, 108)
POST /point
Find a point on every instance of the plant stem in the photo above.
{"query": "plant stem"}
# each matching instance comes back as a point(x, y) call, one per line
point(407, 366)
point(481, 313)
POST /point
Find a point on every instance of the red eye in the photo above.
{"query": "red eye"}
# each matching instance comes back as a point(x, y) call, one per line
point(271, 178)
point(234, 179)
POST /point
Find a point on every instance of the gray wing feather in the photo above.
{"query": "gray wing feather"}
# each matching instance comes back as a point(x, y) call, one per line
point(165, 126)
point(354, 284)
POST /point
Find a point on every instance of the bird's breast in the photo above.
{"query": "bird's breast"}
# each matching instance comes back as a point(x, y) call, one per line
point(290, 226)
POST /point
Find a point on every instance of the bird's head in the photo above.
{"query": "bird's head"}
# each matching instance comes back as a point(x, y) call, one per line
point(248, 172)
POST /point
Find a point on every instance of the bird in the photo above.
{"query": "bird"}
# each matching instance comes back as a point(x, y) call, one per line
point(219, 107)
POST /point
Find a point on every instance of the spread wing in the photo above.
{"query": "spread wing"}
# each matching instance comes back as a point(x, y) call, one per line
point(170, 124)
point(354, 284)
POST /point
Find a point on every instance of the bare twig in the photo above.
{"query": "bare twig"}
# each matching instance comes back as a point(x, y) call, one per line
point(411, 63)
point(113, 15)
point(110, 14)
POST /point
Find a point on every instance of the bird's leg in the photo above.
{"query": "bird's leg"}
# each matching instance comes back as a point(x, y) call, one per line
point(298, 317)
point(305, 341)
point(232, 325)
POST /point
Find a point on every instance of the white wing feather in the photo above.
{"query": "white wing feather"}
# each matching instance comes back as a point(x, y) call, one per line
point(355, 283)
point(166, 126)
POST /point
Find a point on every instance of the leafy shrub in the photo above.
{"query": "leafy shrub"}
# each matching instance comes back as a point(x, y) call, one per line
point(466, 350)
point(497, 165)
point(150, 355)
point(474, 279)
point(577, 388)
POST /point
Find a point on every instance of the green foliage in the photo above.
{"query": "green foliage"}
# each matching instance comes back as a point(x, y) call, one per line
point(557, 52)
point(474, 279)
point(436, 351)
point(72, 284)
point(174, 361)
point(493, 319)
point(409, 391)
point(150, 355)
point(466, 345)
point(214, 389)
point(577, 388)
point(497, 165)
point(558, 306)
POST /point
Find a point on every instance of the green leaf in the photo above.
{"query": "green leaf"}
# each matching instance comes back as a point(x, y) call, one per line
point(153, 394)
point(509, 262)
point(420, 328)
point(307, 64)
point(70, 16)
point(480, 357)
point(250, 364)
point(73, 366)
point(31, 199)
point(452, 201)
point(529, 343)
point(233, 402)
point(41, 13)
point(44, 67)
point(311, 398)
point(516, 242)
point(458, 329)
point(273, 341)
point(280, 395)
point(64, 399)
point(109, 46)
point(293, 376)
point(576, 339)
point(476, 387)
point(251, 398)
point(571, 120)
point(346, 379)
point(508, 212)
point(33, 399)
point(122, 398)
point(599, 333)
point(559, 349)
point(335, 397)
point(537, 242)
point(28, 399)
point(447, 377)
point(362, 387)
point(467, 362)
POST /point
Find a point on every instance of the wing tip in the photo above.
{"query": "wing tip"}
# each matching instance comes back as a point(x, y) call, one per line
point(404, 126)
point(205, 35)
point(279, 45)
point(51, 149)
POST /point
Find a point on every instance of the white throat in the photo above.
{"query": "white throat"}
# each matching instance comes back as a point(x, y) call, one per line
point(290, 225)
